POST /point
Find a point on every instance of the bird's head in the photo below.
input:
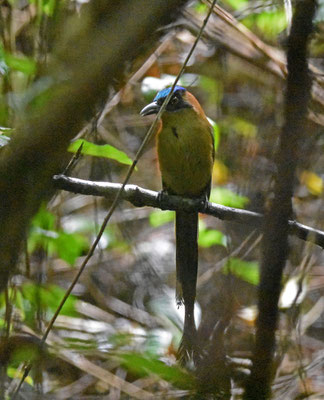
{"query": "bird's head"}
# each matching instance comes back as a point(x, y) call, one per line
point(179, 100)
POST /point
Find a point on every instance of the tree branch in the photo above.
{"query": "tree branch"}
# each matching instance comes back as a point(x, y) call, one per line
point(140, 197)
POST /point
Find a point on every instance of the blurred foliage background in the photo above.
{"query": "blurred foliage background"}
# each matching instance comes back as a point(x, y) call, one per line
point(117, 335)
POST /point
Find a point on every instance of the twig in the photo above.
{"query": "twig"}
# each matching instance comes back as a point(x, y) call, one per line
point(73, 160)
point(140, 197)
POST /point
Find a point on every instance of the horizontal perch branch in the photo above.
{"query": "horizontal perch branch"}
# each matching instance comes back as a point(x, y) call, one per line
point(140, 197)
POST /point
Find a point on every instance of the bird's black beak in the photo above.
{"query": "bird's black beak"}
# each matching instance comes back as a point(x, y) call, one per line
point(152, 108)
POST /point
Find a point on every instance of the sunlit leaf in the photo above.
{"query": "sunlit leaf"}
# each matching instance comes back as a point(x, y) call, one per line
point(160, 217)
point(44, 219)
point(313, 182)
point(49, 7)
point(211, 237)
point(228, 198)
point(42, 229)
point(220, 172)
point(106, 151)
point(270, 23)
point(201, 8)
point(40, 239)
point(248, 271)
point(15, 373)
point(22, 64)
point(236, 4)
point(18, 301)
point(69, 246)
point(45, 6)
point(23, 348)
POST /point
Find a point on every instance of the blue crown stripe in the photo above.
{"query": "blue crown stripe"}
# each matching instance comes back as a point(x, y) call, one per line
point(163, 93)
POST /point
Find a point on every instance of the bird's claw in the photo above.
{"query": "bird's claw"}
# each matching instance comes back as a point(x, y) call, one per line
point(162, 199)
point(188, 352)
point(204, 204)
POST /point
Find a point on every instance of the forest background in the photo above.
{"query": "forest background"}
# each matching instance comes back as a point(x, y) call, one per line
point(77, 73)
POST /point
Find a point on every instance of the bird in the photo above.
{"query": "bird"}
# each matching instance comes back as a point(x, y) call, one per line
point(185, 149)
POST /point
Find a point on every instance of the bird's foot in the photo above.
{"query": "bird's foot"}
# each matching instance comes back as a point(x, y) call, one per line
point(162, 199)
point(203, 203)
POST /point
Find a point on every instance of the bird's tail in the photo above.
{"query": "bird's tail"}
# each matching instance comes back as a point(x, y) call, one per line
point(187, 265)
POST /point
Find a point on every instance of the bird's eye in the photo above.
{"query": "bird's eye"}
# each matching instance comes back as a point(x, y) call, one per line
point(174, 100)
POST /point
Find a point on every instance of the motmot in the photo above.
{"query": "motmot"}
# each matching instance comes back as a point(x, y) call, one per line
point(185, 148)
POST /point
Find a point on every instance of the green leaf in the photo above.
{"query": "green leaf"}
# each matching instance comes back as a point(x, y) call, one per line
point(248, 271)
point(16, 299)
point(17, 373)
point(19, 303)
point(121, 339)
point(160, 217)
point(48, 297)
point(237, 4)
point(211, 237)
point(22, 64)
point(269, 23)
point(201, 8)
point(49, 7)
point(44, 219)
point(69, 246)
point(106, 151)
point(42, 230)
point(144, 365)
point(228, 198)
